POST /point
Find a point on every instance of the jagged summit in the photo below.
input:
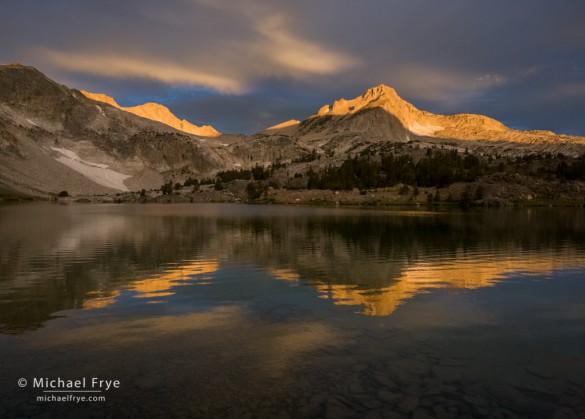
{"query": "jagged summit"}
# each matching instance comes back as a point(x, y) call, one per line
point(159, 113)
point(379, 96)
point(378, 91)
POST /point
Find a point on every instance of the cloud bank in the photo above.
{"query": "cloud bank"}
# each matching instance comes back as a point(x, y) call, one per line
point(239, 65)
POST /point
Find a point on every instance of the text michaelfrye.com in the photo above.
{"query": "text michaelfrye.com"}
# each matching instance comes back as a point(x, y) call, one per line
point(79, 390)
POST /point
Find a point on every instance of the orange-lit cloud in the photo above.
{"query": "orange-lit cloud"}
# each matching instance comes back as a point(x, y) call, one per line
point(298, 55)
point(270, 44)
point(438, 83)
point(124, 66)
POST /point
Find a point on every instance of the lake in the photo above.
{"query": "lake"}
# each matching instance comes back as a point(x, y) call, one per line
point(242, 311)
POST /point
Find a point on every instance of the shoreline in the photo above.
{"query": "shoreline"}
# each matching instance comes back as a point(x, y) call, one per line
point(449, 197)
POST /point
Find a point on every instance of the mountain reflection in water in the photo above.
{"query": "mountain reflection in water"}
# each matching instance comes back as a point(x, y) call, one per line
point(230, 311)
point(55, 258)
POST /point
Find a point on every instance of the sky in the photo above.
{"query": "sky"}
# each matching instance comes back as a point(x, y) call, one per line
point(244, 65)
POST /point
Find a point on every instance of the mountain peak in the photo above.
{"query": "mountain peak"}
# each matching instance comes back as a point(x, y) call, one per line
point(411, 119)
point(378, 91)
point(379, 96)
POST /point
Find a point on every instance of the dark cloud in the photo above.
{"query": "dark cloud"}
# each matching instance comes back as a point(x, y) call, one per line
point(245, 65)
point(273, 102)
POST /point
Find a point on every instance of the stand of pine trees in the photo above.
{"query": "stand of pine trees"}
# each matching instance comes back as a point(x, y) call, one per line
point(437, 169)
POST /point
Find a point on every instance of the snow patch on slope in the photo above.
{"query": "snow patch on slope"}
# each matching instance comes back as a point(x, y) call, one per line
point(98, 173)
point(426, 129)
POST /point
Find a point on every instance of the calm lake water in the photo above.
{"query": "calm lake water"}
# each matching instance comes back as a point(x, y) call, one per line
point(291, 312)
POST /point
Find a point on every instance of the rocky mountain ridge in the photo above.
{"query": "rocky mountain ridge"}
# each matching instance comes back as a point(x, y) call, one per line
point(53, 138)
point(159, 113)
point(405, 121)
